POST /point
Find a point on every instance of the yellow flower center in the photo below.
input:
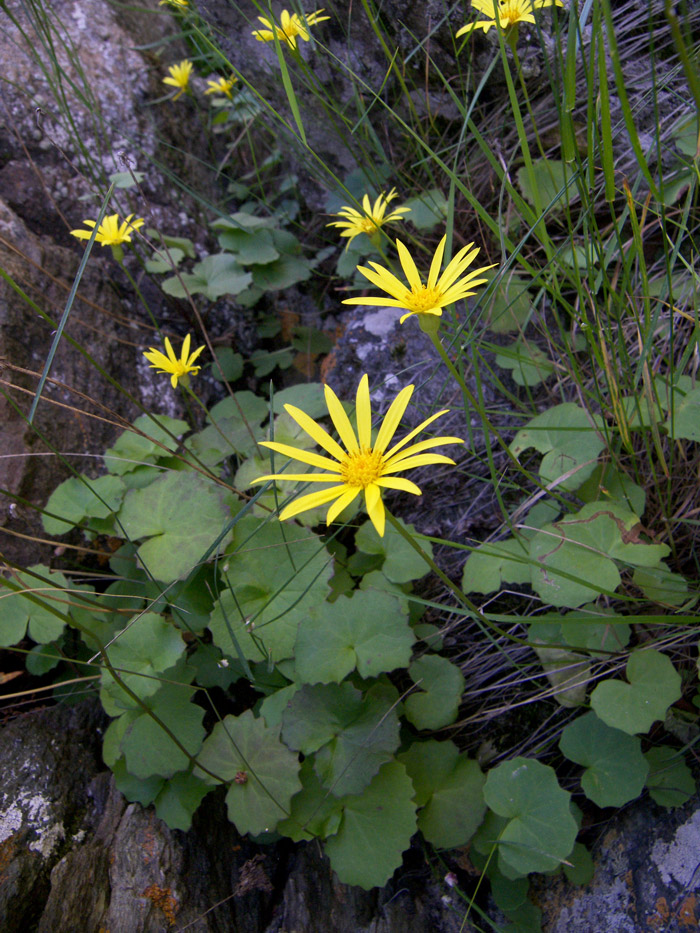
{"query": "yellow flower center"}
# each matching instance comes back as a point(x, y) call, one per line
point(423, 299)
point(367, 225)
point(362, 467)
point(512, 11)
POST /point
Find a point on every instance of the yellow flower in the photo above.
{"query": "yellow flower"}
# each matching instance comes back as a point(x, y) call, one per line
point(110, 232)
point(179, 4)
point(178, 368)
point(362, 466)
point(371, 220)
point(290, 26)
point(505, 13)
point(179, 76)
point(432, 297)
point(221, 86)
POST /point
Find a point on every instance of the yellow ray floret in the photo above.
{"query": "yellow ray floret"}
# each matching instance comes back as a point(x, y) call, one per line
point(221, 86)
point(372, 217)
point(438, 292)
point(179, 76)
point(110, 232)
point(505, 13)
point(358, 465)
point(290, 27)
point(170, 364)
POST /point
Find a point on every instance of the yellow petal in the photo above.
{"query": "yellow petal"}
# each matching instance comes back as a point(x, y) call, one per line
point(424, 424)
point(398, 482)
point(341, 503)
point(436, 263)
point(392, 418)
point(169, 350)
point(312, 501)
point(409, 267)
point(340, 420)
point(315, 431)
point(363, 413)
point(375, 508)
point(298, 478)
point(421, 446)
point(383, 279)
point(420, 460)
point(305, 456)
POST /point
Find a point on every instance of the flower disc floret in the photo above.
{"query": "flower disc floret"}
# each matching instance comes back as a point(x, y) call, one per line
point(424, 298)
point(177, 368)
point(373, 216)
point(290, 27)
point(359, 466)
point(179, 77)
point(505, 13)
point(110, 232)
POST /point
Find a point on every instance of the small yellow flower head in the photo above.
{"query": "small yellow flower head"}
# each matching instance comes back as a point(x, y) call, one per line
point(436, 294)
point(176, 4)
point(178, 368)
point(221, 86)
point(290, 26)
point(361, 466)
point(372, 218)
point(110, 232)
point(505, 13)
point(179, 77)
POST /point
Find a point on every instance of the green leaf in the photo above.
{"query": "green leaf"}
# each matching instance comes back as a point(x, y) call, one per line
point(376, 829)
point(38, 614)
point(179, 798)
point(135, 789)
point(567, 671)
point(44, 658)
point(147, 747)
point(670, 782)
point(441, 686)
point(661, 585)
point(606, 483)
point(568, 437)
point(528, 363)
point(615, 769)
point(249, 246)
point(311, 340)
point(309, 396)
point(227, 366)
point(574, 558)
point(264, 361)
point(491, 565)
point(580, 869)
point(352, 735)
point(145, 648)
point(427, 210)
point(314, 811)
point(126, 179)
point(276, 575)
point(78, 497)
point(234, 424)
point(401, 562)
point(540, 832)
point(264, 773)
point(549, 177)
point(213, 277)
point(282, 273)
point(181, 514)
point(449, 792)
point(165, 260)
point(654, 684)
point(685, 422)
point(595, 629)
point(368, 632)
point(132, 450)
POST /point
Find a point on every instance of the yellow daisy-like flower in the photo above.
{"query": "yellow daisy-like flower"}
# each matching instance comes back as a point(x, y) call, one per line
point(416, 297)
point(179, 77)
point(505, 13)
point(290, 26)
point(221, 86)
point(110, 232)
point(178, 368)
point(178, 4)
point(362, 466)
point(375, 216)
